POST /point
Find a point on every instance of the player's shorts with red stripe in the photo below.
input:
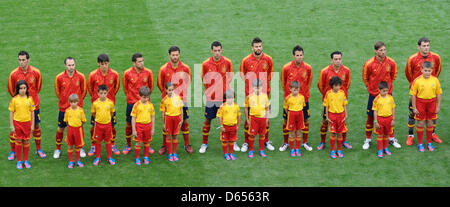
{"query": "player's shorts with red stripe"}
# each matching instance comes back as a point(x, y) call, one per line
point(144, 132)
point(102, 132)
point(230, 133)
point(75, 136)
point(337, 126)
point(385, 125)
point(171, 125)
point(257, 126)
point(426, 108)
point(295, 121)
point(23, 130)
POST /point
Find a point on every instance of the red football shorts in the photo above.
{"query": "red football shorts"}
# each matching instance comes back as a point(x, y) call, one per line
point(171, 124)
point(23, 130)
point(257, 126)
point(337, 126)
point(144, 132)
point(102, 132)
point(75, 136)
point(230, 133)
point(295, 121)
point(385, 125)
point(426, 108)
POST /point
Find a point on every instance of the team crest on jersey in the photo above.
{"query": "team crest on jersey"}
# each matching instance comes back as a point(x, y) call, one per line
point(264, 66)
point(224, 69)
point(31, 79)
point(304, 74)
point(111, 81)
point(77, 83)
point(388, 68)
point(145, 79)
point(343, 77)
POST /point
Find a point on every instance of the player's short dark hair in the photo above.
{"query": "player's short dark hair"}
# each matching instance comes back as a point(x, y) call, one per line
point(378, 45)
point(102, 88)
point(228, 94)
point(68, 58)
point(144, 91)
point(168, 84)
point(297, 48)
point(136, 56)
point(427, 64)
point(102, 58)
point(335, 53)
point(216, 44)
point(294, 84)
point(24, 53)
point(335, 80)
point(173, 49)
point(73, 98)
point(257, 82)
point(422, 39)
point(383, 85)
point(256, 40)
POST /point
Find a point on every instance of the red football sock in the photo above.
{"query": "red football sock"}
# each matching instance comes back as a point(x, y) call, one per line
point(429, 134)
point(108, 149)
point(37, 138)
point(332, 142)
point(339, 142)
point(246, 135)
point(169, 145)
point(174, 145)
point(91, 131)
point(292, 142)
point(137, 151)
point(251, 141)
point(380, 142)
point(419, 131)
point(266, 135)
point(385, 142)
point(98, 149)
point(206, 129)
point(305, 132)
point(26, 150)
point(146, 149)
point(262, 140)
point(70, 152)
point(230, 147)
point(128, 134)
point(12, 142)
point(344, 136)
point(185, 131)
point(369, 127)
point(298, 141)
point(285, 133)
point(59, 138)
point(77, 153)
point(323, 132)
point(225, 147)
point(19, 151)
point(113, 137)
point(165, 141)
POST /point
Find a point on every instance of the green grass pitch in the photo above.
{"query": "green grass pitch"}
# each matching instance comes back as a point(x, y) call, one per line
point(53, 30)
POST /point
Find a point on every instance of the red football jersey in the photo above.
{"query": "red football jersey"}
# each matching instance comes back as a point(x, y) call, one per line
point(327, 73)
point(65, 86)
point(303, 74)
point(375, 71)
point(216, 71)
point(111, 80)
point(33, 78)
point(132, 81)
point(413, 67)
point(261, 68)
point(180, 76)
